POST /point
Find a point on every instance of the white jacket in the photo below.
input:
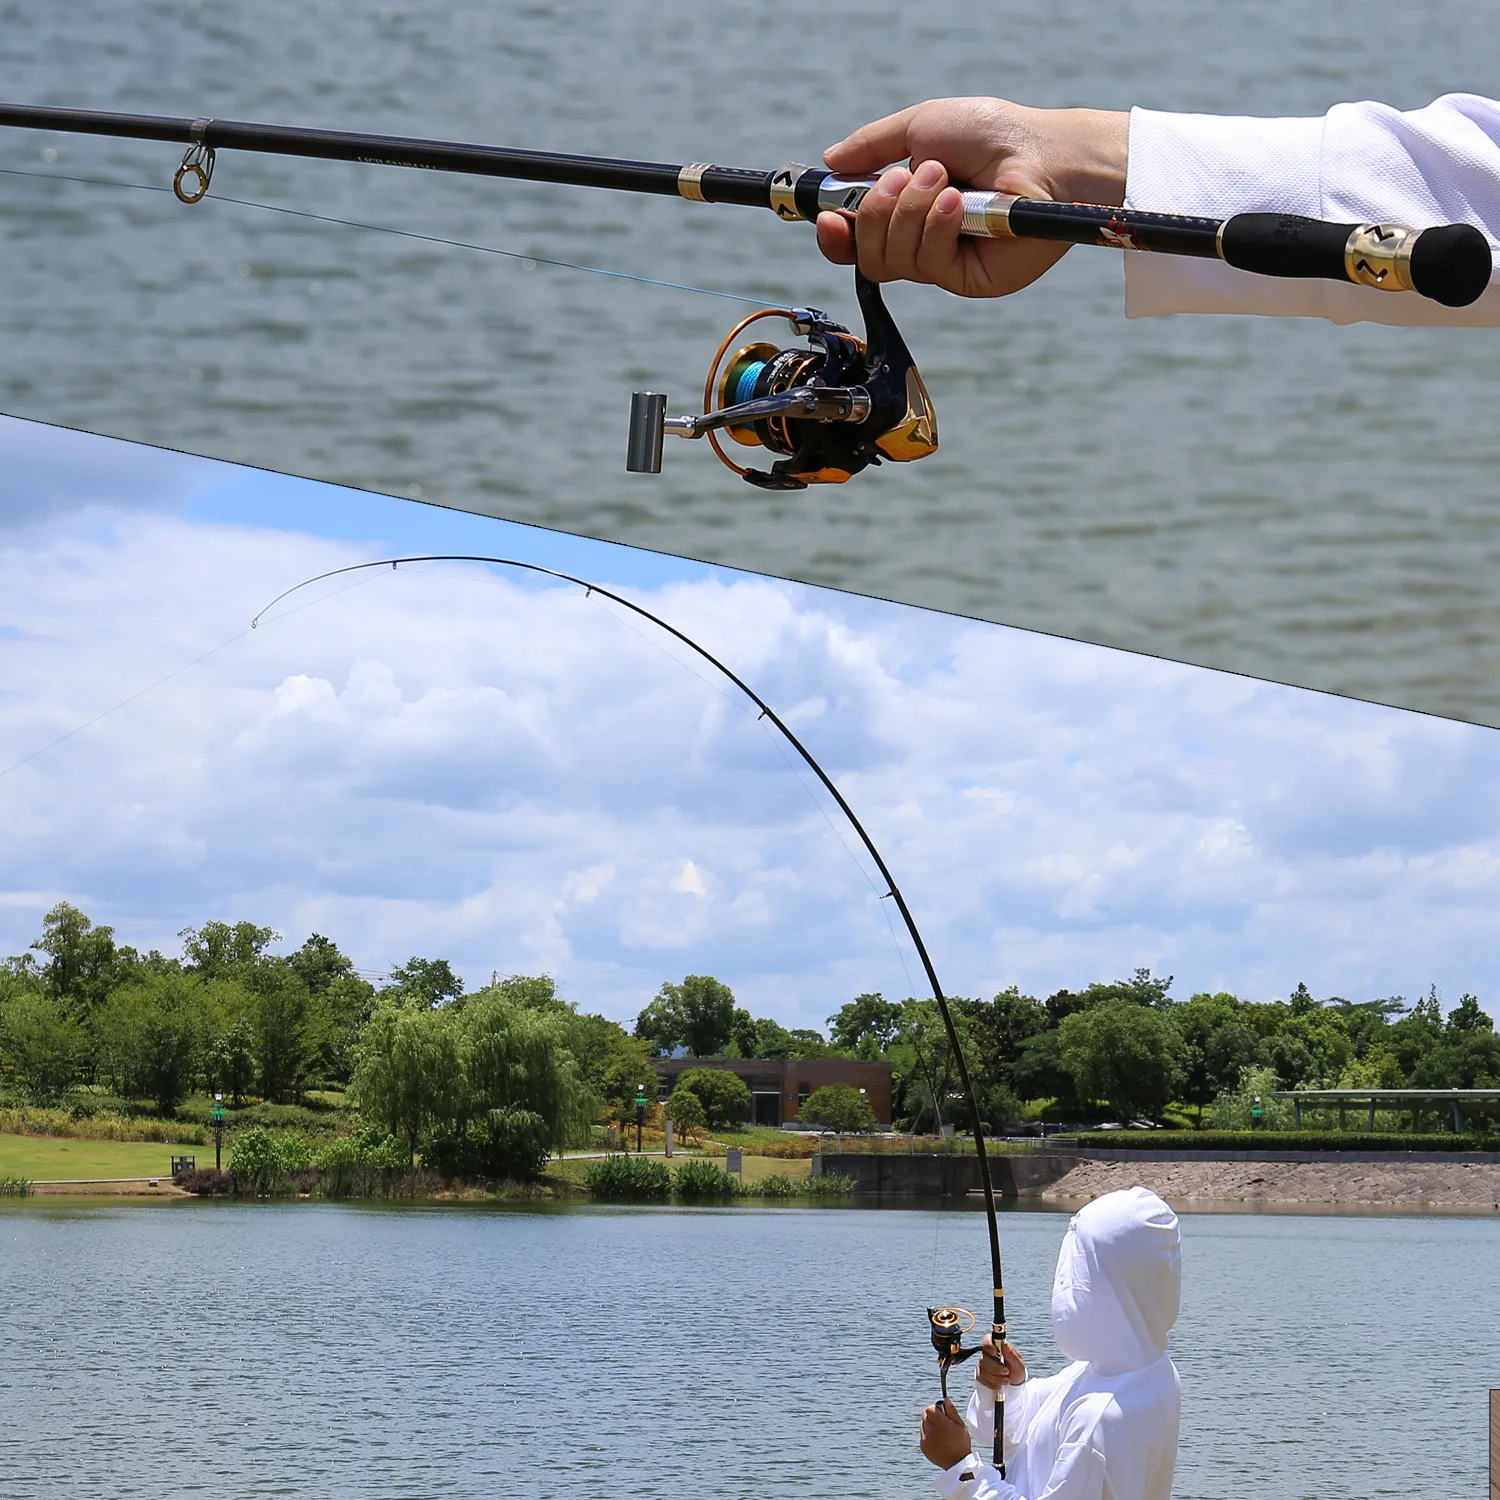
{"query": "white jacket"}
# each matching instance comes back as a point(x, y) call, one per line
point(1105, 1428)
point(1356, 164)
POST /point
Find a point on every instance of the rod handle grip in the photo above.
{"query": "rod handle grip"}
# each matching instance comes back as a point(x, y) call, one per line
point(1450, 263)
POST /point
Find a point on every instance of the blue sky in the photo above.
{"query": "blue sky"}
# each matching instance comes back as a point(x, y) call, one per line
point(453, 762)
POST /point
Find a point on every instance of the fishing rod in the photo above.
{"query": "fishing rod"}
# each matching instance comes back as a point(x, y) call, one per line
point(946, 1324)
point(844, 403)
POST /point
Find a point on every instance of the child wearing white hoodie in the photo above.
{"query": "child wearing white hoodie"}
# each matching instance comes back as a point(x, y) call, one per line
point(1104, 1428)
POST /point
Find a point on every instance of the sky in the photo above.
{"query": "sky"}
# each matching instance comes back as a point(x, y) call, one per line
point(474, 763)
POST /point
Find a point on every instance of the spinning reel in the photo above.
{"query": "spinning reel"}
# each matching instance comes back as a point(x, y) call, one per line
point(948, 1330)
point(831, 409)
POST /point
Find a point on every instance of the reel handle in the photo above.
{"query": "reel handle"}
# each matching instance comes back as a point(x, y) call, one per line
point(648, 424)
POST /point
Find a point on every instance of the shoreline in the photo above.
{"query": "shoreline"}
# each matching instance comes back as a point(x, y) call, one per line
point(1271, 1185)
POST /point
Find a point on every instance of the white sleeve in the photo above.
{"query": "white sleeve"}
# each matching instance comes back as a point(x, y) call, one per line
point(1078, 1474)
point(1358, 163)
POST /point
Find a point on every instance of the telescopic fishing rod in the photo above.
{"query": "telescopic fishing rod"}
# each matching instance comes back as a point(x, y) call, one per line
point(946, 1324)
point(843, 403)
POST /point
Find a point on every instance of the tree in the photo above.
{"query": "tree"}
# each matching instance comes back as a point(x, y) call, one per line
point(407, 1072)
point(346, 1002)
point(514, 1058)
point(83, 964)
point(1039, 1072)
point(151, 1032)
point(1468, 1017)
point(612, 1062)
point(43, 1046)
point(704, 1012)
point(425, 982)
point(1217, 1047)
point(1125, 1053)
point(685, 1111)
point(724, 1096)
point(1302, 1002)
point(289, 1030)
point(219, 950)
point(840, 1108)
point(318, 963)
point(866, 1026)
point(1290, 1060)
point(1235, 1109)
point(1142, 988)
point(229, 1059)
point(923, 1070)
point(659, 1025)
point(772, 1039)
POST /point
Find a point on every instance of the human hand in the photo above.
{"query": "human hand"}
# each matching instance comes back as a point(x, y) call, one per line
point(945, 1439)
point(998, 1371)
point(908, 226)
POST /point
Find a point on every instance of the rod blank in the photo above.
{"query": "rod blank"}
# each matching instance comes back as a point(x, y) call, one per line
point(1450, 264)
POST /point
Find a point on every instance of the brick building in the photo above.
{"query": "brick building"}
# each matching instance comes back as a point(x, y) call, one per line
point(779, 1085)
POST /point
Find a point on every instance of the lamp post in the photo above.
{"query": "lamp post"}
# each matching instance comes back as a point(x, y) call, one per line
point(1255, 1112)
point(218, 1118)
point(640, 1114)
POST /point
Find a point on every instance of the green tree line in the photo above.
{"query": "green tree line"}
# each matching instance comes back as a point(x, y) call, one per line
point(1124, 1048)
point(486, 1084)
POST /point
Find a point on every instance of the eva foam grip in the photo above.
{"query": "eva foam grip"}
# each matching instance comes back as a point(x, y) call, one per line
point(1450, 264)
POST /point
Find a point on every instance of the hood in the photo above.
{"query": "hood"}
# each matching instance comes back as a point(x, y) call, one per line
point(1119, 1282)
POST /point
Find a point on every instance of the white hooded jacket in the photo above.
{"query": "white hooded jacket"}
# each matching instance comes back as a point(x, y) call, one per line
point(1105, 1428)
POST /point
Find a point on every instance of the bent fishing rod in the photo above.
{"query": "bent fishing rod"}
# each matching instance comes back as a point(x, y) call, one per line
point(946, 1324)
point(843, 403)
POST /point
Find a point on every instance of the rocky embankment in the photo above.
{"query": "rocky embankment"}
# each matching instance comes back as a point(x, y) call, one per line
point(1372, 1184)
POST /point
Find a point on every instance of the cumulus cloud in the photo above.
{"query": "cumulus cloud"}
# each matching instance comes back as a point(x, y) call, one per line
point(448, 761)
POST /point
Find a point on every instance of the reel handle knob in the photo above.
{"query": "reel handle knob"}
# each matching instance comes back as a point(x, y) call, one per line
point(648, 423)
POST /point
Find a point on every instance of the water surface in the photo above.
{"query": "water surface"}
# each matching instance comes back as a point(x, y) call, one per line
point(204, 1349)
point(1289, 499)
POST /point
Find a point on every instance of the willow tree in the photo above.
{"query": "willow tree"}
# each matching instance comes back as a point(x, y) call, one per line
point(408, 1076)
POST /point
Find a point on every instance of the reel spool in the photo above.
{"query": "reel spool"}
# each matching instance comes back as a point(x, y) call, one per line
point(829, 410)
point(948, 1329)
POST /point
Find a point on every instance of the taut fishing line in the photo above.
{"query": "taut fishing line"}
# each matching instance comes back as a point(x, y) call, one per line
point(162, 681)
point(407, 234)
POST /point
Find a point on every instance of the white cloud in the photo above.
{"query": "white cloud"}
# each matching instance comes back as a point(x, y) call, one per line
point(450, 762)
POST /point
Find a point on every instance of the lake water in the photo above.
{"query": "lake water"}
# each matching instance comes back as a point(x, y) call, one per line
point(1292, 500)
point(189, 1349)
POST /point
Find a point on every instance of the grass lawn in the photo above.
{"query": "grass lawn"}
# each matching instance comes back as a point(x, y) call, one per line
point(42, 1157)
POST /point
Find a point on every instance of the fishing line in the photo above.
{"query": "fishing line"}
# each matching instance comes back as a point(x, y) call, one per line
point(407, 234)
point(160, 681)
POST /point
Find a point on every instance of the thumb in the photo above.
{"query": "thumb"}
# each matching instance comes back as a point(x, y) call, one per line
point(872, 146)
point(951, 1411)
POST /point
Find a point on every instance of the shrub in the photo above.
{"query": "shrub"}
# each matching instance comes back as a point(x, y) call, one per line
point(507, 1145)
point(685, 1111)
point(206, 1182)
point(839, 1107)
point(98, 1126)
point(15, 1187)
point(830, 1186)
point(777, 1185)
point(725, 1097)
point(629, 1177)
point(263, 1162)
point(700, 1181)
